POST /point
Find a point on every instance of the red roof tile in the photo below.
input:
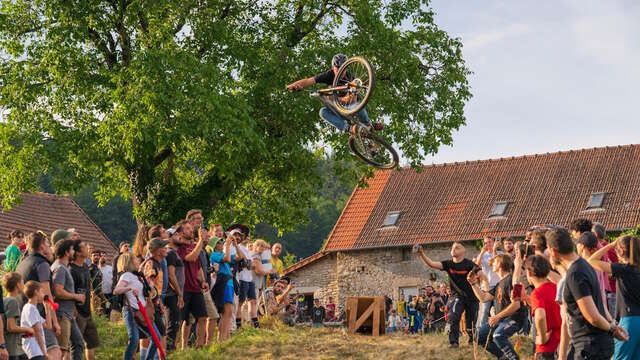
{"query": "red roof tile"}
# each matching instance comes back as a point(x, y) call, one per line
point(453, 201)
point(351, 221)
point(46, 212)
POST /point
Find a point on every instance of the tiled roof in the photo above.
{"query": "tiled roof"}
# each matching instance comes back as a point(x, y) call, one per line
point(304, 262)
point(353, 217)
point(453, 201)
point(46, 212)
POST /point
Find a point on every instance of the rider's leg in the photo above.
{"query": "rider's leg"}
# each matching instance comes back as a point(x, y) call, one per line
point(364, 117)
point(337, 121)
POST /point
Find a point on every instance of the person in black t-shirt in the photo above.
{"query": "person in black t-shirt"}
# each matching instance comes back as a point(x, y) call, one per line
point(509, 315)
point(329, 115)
point(591, 333)
point(462, 298)
point(627, 275)
point(318, 314)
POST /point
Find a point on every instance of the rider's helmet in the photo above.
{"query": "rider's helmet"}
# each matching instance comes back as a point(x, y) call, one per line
point(338, 60)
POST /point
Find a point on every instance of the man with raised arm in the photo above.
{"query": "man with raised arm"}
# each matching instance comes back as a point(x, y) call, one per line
point(462, 298)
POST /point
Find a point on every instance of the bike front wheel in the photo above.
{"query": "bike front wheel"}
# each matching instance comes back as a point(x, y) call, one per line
point(356, 76)
point(374, 150)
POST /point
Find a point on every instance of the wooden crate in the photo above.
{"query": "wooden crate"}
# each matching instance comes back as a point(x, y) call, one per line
point(366, 314)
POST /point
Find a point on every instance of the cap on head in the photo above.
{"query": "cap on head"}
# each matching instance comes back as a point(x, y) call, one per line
point(60, 234)
point(157, 243)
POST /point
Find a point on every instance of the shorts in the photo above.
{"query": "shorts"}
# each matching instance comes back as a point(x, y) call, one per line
point(247, 291)
point(228, 293)
point(89, 331)
point(194, 305)
point(50, 340)
point(64, 340)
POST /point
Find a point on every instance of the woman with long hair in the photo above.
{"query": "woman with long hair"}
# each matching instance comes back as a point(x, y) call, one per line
point(627, 275)
point(140, 245)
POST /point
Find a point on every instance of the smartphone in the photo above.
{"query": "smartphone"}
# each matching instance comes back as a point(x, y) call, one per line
point(516, 293)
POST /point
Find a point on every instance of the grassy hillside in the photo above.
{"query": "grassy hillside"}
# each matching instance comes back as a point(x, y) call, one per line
point(277, 341)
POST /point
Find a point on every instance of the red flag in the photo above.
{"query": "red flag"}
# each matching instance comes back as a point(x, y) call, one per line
point(156, 340)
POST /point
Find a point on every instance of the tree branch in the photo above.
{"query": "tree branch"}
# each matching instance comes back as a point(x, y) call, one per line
point(338, 6)
point(100, 44)
point(162, 156)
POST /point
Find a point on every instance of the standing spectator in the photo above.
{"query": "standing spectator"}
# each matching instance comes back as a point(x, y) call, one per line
point(507, 247)
point(12, 252)
point(442, 289)
point(36, 267)
point(578, 226)
point(12, 282)
point(436, 312)
point(318, 314)
point(107, 284)
point(246, 286)
point(394, 322)
point(139, 248)
point(82, 281)
point(612, 257)
point(276, 263)
point(591, 333)
point(462, 298)
point(131, 285)
point(627, 275)
point(194, 284)
point(35, 346)
point(587, 244)
point(544, 308)
point(331, 310)
point(223, 288)
point(483, 261)
point(152, 271)
point(174, 300)
point(402, 305)
point(70, 338)
point(260, 268)
point(95, 275)
point(510, 313)
point(117, 301)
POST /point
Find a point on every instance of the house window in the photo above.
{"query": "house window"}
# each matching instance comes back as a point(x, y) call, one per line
point(499, 208)
point(391, 219)
point(596, 200)
point(406, 254)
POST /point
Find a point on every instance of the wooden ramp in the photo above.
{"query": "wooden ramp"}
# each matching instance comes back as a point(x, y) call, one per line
point(366, 314)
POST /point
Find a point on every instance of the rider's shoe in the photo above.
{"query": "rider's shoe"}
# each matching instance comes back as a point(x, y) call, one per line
point(354, 130)
point(378, 126)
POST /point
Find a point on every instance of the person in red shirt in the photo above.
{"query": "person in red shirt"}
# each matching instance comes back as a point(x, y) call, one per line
point(331, 310)
point(544, 308)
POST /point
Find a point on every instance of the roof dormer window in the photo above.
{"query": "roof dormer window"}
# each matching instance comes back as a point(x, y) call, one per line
point(391, 219)
point(596, 200)
point(499, 208)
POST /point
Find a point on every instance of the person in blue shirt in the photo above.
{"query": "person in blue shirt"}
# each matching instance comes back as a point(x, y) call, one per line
point(223, 289)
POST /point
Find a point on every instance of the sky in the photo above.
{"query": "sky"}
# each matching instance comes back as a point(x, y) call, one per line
point(548, 75)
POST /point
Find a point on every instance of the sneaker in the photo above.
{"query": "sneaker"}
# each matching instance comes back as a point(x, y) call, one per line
point(354, 129)
point(453, 346)
point(378, 126)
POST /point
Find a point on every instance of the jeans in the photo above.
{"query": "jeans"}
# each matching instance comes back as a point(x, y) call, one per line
point(132, 331)
point(611, 303)
point(599, 348)
point(485, 312)
point(165, 278)
point(339, 122)
point(77, 342)
point(171, 302)
point(496, 339)
point(457, 306)
point(629, 349)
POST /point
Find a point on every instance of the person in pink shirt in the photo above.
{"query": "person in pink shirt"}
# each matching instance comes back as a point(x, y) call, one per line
point(611, 257)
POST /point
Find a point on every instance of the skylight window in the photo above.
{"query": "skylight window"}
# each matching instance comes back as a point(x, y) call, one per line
point(499, 208)
point(391, 219)
point(596, 200)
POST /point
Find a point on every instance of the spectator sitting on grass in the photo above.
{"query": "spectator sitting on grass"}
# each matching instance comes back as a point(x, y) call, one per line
point(278, 300)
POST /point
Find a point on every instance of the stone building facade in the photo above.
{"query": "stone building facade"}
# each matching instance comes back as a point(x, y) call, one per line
point(373, 272)
point(368, 252)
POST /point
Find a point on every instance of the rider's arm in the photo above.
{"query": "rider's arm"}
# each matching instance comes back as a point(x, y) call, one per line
point(302, 83)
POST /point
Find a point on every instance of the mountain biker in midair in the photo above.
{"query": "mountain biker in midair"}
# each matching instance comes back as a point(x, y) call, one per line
point(329, 115)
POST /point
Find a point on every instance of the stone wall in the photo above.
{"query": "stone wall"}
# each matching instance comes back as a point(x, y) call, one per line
point(376, 272)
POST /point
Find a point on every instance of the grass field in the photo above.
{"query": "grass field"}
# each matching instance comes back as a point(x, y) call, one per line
point(278, 341)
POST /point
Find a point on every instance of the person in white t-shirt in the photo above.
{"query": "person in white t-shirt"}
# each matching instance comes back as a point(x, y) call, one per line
point(260, 268)
point(107, 283)
point(483, 261)
point(34, 346)
point(246, 287)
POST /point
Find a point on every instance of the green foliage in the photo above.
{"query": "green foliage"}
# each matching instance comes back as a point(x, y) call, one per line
point(180, 104)
point(288, 260)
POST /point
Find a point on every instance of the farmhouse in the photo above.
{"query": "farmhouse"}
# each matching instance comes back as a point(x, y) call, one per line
point(369, 249)
point(47, 212)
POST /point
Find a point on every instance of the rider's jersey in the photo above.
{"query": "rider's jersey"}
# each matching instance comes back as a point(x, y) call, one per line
point(325, 77)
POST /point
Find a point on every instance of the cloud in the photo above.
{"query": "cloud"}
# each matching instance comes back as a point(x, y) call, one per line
point(480, 40)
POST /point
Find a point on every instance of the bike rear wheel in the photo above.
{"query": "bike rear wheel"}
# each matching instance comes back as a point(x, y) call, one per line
point(374, 150)
point(357, 75)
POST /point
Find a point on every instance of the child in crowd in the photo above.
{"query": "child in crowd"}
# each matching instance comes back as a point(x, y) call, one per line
point(34, 346)
point(13, 284)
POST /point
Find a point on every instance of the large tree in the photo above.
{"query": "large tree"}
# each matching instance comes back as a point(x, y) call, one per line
point(180, 104)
